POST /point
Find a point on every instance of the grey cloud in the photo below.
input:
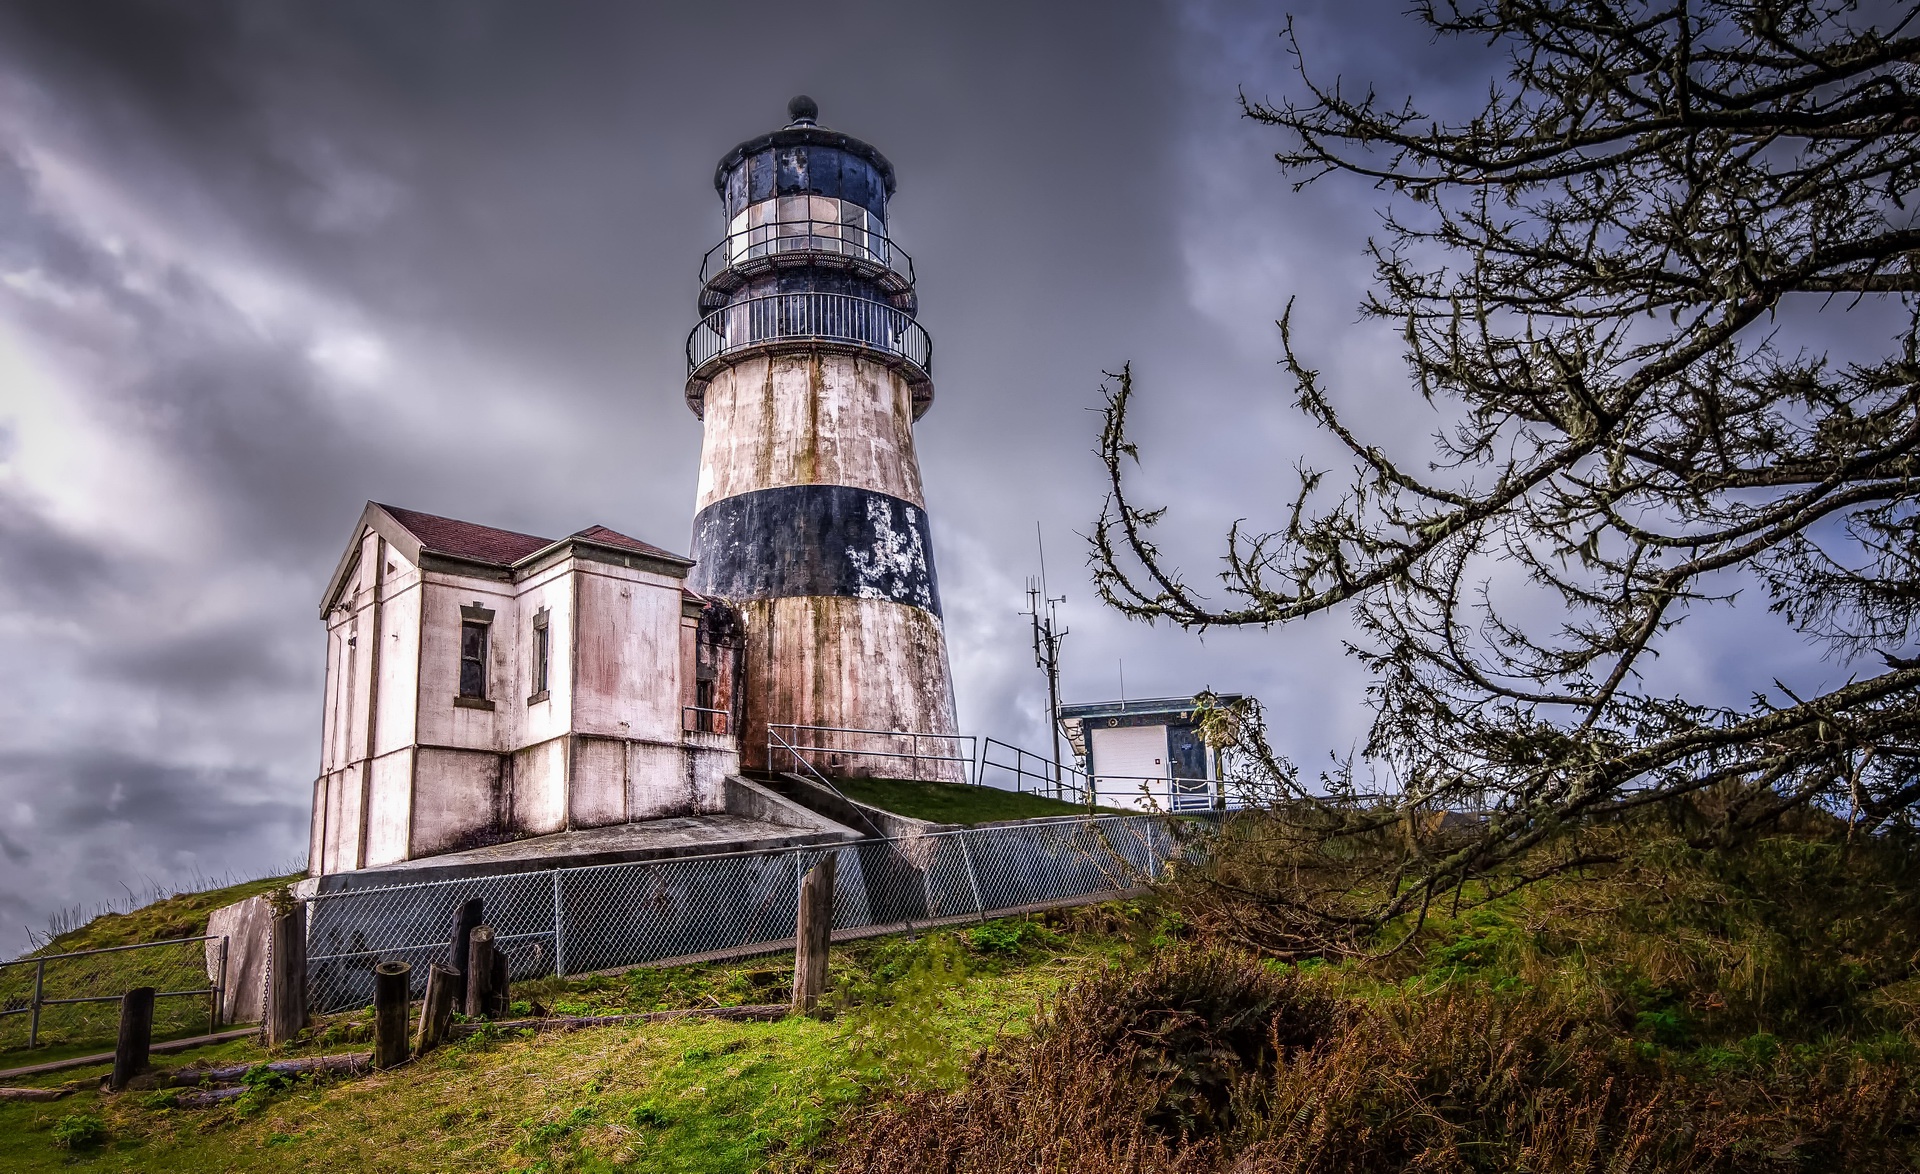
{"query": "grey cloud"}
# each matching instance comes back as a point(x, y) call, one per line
point(43, 565)
point(208, 662)
point(514, 198)
point(91, 791)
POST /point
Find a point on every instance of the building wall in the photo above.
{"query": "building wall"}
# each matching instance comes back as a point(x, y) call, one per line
point(864, 664)
point(539, 794)
point(808, 418)
point(630, 658)
point(443, 722)
point(462, 804)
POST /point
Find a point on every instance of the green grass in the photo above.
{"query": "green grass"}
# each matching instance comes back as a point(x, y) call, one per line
point(183, 915)
point(699, 1096)
point(953, 802)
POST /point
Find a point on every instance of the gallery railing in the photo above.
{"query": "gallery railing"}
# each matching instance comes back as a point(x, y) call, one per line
point(824, 317)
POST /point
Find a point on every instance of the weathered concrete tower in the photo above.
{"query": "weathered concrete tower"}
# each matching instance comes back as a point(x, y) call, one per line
point(808, 369)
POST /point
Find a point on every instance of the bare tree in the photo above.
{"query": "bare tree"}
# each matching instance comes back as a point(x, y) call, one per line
point(1614, 280)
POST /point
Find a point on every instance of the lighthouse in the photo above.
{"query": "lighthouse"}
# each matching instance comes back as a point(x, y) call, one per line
point(808, 369)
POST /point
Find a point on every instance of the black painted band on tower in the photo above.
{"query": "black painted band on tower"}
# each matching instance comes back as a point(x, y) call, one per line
point(798, 540)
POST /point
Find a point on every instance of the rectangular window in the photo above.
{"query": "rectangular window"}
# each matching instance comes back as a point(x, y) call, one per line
point(473, 659)
point(542, 656)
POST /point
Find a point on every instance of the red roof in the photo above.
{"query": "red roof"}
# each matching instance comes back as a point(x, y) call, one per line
point(501, 547)
point(465, 539)
point(606, 537)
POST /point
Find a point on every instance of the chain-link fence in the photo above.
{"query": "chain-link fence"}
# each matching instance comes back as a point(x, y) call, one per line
point(578, 920)
point(63, 1000)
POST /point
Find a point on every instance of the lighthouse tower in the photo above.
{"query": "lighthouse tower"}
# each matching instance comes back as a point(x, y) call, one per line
point(808, 370)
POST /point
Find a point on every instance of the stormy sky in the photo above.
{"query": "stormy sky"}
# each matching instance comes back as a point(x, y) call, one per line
point(261, 262)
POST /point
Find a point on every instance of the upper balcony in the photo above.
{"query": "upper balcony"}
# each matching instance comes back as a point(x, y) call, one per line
point(828, 321)
point(806, 242)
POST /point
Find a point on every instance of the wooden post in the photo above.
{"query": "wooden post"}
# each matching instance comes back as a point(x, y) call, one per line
point(463, 923)
point(39, 985)
point(286, 971)
point(390, 992)
point(436, 1010)
point(136, 1035)
point(813, 934)
point(480, 972)
point(501, 988)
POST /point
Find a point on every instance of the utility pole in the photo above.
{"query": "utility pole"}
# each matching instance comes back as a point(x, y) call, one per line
point(1047, 635)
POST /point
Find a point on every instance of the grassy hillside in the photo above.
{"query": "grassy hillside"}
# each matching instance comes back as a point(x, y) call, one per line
point(1685, 1008)
point(82, 1028)
point(907, 1014)
point(1681, 1009)
point(182, 915)
point(953, 802)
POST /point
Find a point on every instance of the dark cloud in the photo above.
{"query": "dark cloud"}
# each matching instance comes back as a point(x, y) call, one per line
point(274, 259)
point(263, 260)
point(209, 662)
point(47, 566)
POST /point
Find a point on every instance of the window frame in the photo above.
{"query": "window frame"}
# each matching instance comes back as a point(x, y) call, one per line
point(542, 676)
point(478, 619)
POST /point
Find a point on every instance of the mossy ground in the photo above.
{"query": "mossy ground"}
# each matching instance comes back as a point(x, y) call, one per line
point(687, 1096)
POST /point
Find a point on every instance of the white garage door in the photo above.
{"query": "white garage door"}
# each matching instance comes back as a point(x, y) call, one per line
point(1123, 756)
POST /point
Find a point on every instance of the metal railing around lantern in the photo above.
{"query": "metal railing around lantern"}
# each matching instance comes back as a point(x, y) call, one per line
point(784, 239)
point(825, 317)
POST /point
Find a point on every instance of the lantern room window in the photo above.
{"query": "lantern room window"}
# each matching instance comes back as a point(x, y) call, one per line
point(809, 223)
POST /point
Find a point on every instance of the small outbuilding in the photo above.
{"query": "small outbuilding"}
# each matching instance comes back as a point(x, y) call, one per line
point(1146, 753)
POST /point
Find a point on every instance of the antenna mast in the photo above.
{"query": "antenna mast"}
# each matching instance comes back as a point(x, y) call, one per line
point(1047, 635)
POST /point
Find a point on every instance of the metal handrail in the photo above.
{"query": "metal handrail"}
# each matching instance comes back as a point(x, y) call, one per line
point(699, 719)
point(780, 237)
point(218, 990)
point(827, 317)
point(773, 736)
point(1074, 782)
point(913, 753)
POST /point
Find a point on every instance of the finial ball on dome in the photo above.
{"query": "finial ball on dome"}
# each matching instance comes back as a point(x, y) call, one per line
point(803, 109)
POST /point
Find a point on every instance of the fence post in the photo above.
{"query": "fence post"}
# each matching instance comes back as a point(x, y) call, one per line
point(480, 972)
point(463, 923)
point(391, 981)
point(219, 1008)
point(436, 1009)
point(286, 972)
point(559, 937)
point(973, 878)
point(813, 934)
point(500, 985)
point(33, 1021)
point(136, 1036)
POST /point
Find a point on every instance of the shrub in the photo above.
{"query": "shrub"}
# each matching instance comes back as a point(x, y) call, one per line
point(79, 1131)
point(1209, 1063)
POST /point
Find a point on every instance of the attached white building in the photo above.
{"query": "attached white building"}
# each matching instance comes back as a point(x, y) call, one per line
point(485, 686)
